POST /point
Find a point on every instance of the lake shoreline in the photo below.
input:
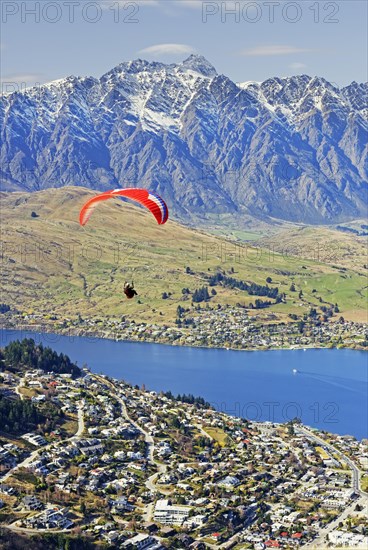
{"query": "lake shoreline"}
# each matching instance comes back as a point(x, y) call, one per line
point(75, 332)
point(323, 388)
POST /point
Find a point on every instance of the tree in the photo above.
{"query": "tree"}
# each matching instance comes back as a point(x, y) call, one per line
point(260, 304)
point(292, 287)
point(312, 313)
point(179, 311)
point(201, 295)
point(268, 280)
point(26, 353)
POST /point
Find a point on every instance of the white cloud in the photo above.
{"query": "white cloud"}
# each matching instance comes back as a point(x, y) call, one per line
point(273, 50)
point(168, 49)
point(297, 65)
point(18, 82)
point(26, 79)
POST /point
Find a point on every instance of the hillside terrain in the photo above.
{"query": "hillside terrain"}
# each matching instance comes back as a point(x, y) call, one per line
point(53, 266)
point(289, 148)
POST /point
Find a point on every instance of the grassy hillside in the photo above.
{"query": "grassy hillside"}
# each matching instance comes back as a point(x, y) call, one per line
point(52, 265)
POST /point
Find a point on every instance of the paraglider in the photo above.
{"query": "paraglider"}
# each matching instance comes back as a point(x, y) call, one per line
point(129, 290)
point(153, 202)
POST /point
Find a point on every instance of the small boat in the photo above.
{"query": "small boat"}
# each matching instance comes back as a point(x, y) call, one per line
point(294, 371)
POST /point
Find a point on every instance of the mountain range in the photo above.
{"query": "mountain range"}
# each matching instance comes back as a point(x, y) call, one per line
point(292, 148)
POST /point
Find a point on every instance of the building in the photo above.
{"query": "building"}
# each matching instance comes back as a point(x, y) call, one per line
point(167, 514)
point(32, 503)
point(143, 542)
point(229, 481)
point(122, 505)
point(340, 538)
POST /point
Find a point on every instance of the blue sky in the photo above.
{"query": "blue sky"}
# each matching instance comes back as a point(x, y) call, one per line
point(246, 40)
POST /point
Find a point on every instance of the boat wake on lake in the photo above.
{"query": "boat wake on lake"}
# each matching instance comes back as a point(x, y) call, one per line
point(331, 380)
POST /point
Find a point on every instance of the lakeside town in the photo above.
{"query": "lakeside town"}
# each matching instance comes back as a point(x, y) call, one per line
point(90, 457)
point(220, 327)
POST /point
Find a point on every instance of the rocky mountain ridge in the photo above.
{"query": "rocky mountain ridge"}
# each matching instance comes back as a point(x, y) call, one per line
point(290, 148)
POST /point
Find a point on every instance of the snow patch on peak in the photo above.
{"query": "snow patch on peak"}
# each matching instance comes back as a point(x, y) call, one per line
point(248, 83)
point(199, 64)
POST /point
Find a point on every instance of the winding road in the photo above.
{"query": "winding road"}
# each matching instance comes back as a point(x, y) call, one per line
point(27, 461)
point(356, 473)
point(320, 541)
point(161, 468)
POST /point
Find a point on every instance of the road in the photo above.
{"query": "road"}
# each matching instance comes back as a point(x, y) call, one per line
point(161, 468)
point(23, 464)
point(27, 461)
point(356, 473)
point(17, 389)
point(147, 437)
point(320, 541)
point(80, 421)
point(203, 432)
point(32, 531)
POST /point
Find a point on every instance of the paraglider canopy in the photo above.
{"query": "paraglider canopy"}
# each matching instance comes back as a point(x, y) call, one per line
point(150, 200)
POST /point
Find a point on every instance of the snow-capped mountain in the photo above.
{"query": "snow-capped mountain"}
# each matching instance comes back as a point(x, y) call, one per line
point(291, 148)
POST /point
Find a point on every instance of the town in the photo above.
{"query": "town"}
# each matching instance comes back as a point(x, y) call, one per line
point(221, 327)
point(125, 467)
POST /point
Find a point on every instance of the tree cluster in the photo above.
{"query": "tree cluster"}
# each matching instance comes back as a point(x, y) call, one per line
point(191, 399)
point(201, 295)
point(18, 416)
point(351, 230)
point(252, 289)
point(26, 353)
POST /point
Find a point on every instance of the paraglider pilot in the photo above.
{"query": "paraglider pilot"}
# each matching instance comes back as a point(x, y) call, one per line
point(129, 290)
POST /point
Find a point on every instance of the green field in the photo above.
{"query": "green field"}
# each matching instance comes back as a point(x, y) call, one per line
point(365, 483)
point(51, 265)
point(218, 435)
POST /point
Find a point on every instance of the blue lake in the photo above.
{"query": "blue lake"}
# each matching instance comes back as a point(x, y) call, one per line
point(328, 391)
